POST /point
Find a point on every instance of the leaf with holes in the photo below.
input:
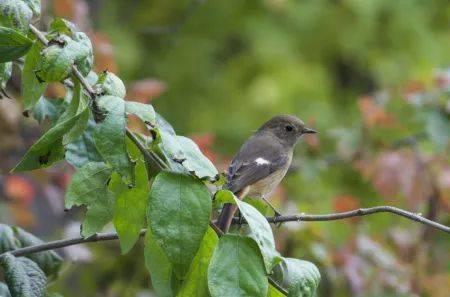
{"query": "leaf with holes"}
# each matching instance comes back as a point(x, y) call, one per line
point(178, 214)
point(131, 203)
point(196, 282)
point(23, 276)
point(13, 44)
point(89, 187)
point(109, 84)
point(182, 150)
point(109, 136)
point(237, 269)
point(144, 111)
point(49, 149)
point(32, 88)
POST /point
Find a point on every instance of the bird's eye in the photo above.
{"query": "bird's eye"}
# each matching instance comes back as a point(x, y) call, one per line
point(289, 128)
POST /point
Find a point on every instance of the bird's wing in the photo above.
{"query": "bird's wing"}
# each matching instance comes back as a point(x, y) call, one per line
point(257, 159)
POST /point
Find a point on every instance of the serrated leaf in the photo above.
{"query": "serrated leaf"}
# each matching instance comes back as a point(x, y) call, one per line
point(15, 14)
point(49, 149)
point(109, 84)
point(144, 111)
point(49, 261)
point(89, 187)
point(83, 150)
point(237, 269)
point(4, 291)
point(178, 214)
point(13, 44)
point(131, 203)
point(196, 281)
point(5, 73)
point(48, 109)
point(301, 278)
point(159, 267)
point(109, 136)
point(55, 64)
point(32, 88)
point(261, 232)
point(23, 277)
point(184, 151)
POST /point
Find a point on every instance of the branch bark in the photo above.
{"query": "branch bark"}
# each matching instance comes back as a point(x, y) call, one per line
point(274, 220)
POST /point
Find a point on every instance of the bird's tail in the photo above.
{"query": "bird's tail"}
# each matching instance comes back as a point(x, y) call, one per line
point(226, 216)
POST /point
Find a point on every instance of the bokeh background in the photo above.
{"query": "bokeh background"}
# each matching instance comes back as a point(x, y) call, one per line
point(372, 76)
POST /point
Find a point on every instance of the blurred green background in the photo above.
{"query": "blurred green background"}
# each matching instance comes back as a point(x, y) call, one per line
point(372, 76)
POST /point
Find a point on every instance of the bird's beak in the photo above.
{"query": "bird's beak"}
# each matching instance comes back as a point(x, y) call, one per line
point(308, 131)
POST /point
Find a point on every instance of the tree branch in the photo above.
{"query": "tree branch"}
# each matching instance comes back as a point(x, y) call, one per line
point(148, 155)
point(275, 220)
point(355, 213)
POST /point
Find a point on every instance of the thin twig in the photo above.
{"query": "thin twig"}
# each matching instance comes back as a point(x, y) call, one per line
point(149, 155)
point(355, 213)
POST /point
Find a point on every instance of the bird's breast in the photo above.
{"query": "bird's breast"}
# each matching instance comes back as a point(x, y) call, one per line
point(265, 186)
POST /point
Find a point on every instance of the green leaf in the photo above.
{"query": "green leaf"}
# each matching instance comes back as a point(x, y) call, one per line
point(49, 261)
point(55, 64)
point(12, 238)
point(50, 109)
point(178, 214)
point(23, 277)
point(161, 270)
point(131, 203)
point(196, 282)
point(84, 54)
point(79, 104)
point(273, 292)
point(261, 232)
point(5, 73)
point(35, 6)
point(109, 136)
point(237, 269)
point(13, 44)
point(32, 88)
point(49, 149)
point(89, 187)
point(62, 26)
point(109, 84)
point(83, 150)
point(301, 278)
point(4, 291)
point(15, 14)
point(144, 111)
point(163, 124)
point(8, 241)
point(180, 149)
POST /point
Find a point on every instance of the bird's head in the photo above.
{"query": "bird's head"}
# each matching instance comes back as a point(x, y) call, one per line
point(286, 128)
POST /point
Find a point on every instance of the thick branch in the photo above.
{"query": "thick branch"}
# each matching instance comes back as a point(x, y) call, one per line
point(149, 155)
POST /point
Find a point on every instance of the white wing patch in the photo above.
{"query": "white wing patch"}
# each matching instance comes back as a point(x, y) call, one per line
point(261, 161)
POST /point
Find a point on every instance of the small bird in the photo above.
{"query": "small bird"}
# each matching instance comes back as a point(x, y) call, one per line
point(262, 162)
